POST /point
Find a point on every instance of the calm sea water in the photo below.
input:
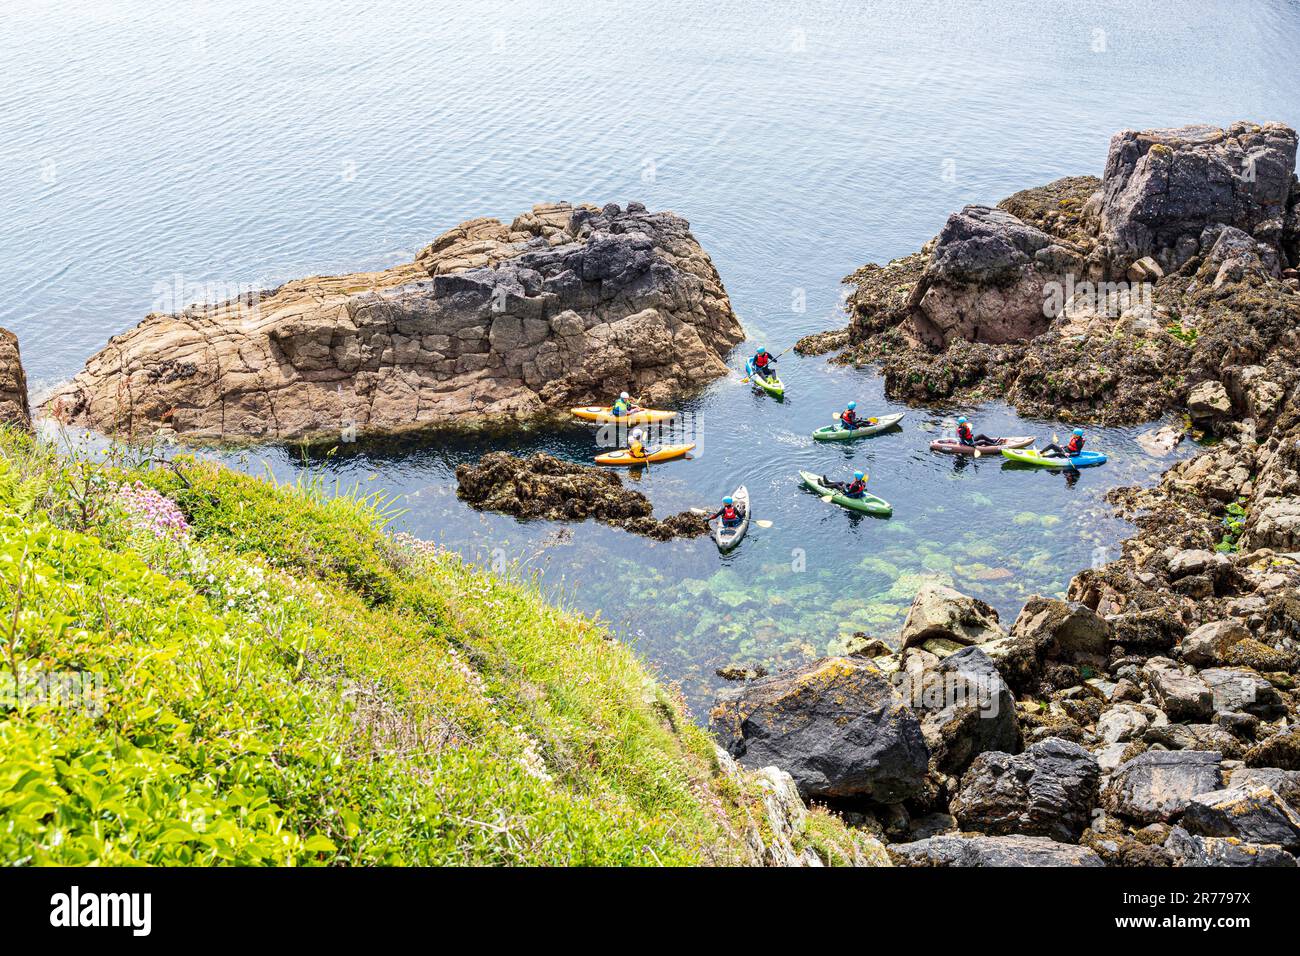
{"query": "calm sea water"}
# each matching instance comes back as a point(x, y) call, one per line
point(153, 153)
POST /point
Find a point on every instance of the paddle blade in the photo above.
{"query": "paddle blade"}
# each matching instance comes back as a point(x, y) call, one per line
point(828, 498)
point(763, 523)
point(977, 453)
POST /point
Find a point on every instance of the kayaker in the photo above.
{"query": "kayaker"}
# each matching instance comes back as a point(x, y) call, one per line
point(1072, 447)
point(635, 444)
point(729, 513)
point(966, 435)
point(850, 420)
point(623, 407)
point(763, 363)
point(857, 488)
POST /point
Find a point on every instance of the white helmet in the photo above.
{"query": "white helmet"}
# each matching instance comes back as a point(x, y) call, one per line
point(636, 434)
point(623, 395)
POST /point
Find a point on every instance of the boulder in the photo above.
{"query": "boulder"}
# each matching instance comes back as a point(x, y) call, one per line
point(966, 707)
point(990, 278)
point(1072, 628)
point(1242, 690)
point(837, 726)
point(991, 851)
point(1181, 695)
point(1285, 783)
point(1188, 849)
point(1163, 187)
point(1207, 645)
point(941, 612)
point(1128, 721)
point(1159, 442)
point(491, 324)
point(1209, 401)
point(1275, 526)
point(1252, 814)
point(1195, 561)
point(1282, 751)
point(1049, 790)
point(1155, 786)
point(14, 409)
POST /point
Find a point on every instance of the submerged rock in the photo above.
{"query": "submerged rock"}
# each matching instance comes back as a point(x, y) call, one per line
point(941, 612)
point(546, 487)
point(492, 323)
point(837, 726)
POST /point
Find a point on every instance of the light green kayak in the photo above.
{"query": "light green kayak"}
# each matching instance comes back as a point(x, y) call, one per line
point(1032, 456)
point(869, 504)
point(840, 433)
point(773, 386)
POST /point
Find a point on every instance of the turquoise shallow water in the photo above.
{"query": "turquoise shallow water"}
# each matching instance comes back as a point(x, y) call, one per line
point(153, 155)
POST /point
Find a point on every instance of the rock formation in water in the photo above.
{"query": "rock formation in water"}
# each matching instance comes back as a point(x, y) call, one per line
point(1112, 300)
point(491, 323)
point(1150, 718)
point(14, 409)
point(546, 487)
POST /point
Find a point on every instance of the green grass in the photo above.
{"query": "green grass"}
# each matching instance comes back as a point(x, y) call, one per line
point(286, 683)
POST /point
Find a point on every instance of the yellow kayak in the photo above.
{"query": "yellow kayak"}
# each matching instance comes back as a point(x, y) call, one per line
point(623, 456)
point(642, 416)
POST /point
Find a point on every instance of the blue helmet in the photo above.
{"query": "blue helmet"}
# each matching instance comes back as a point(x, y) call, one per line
point(859, 475)
point(853, 404)
point(762, 351)
point(728, 500)
point(1079, 432)
point(962, 420)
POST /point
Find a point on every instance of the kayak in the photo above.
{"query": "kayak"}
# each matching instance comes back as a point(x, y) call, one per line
point(840, 433)
point(869, 504)
point(950, 446)
point(623, 456)
point(728, 538)
point(642, 416)
point(1032, 456)
point(773, 386)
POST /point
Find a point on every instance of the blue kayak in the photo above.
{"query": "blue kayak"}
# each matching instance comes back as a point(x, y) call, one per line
point(1032, 456)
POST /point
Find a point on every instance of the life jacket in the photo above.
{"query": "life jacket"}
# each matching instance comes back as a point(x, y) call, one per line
point(636, 449)
point(1076, 445)
point(761, 360)
point(729, 513)
point(855, 488)
point(621, 408)
point(965, 434)
point(849, 417)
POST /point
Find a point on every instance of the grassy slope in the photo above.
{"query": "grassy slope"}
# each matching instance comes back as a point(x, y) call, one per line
point(285, 683)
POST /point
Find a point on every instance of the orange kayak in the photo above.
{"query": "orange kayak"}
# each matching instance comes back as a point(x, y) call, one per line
point(624, 458)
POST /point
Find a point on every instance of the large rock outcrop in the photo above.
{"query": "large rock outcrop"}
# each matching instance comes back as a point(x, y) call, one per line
point(988, 280)
point(1163, 187)
point(492, 322)
point(14, 409)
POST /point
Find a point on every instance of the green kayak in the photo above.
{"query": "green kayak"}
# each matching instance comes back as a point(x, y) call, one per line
point(869, 504)
point(840, 433)
point(773, 386)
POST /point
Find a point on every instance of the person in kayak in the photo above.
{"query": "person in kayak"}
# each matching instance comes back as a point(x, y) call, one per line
point(763, 364)
point(623, 407)
point(1072, 447)
point(849, 418)
point(967, 436)
point(636, 445)
point(730, 514)
point(857, 488)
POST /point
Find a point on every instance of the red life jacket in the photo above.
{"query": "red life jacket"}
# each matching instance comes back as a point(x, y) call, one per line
point(855, 487)
point(965, 434)
point(761, 360)
point(729, 513)
point(848, 417)
point(1076, 445)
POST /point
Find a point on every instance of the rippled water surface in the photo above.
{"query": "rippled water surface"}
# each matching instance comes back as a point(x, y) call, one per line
point(154, 154)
